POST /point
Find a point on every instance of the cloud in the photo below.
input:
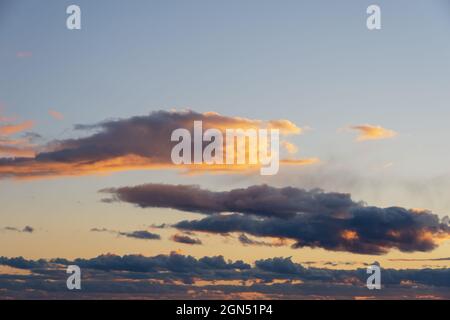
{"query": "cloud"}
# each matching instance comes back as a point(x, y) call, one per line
point(260, 200)
point(182, 276)
point(56, 115)
point(24, 54)
point(313, 218)
point(415, 259)
point(10, 147)
point(26, 229)
point(299, 162)
point(246, 241)
point(139, 234)
point(185, 239)
point(289, 147)
point(371, 132)
point(135, 143)
point(10, 129)
point(174, 262)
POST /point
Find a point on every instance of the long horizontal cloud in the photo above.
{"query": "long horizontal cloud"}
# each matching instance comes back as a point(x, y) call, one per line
point(372, 132)
point(15, 147)
point(136, 143)
point(246, 241)
point(138, 234)
point(182, 276)
point(314, 218)
point(261, 200)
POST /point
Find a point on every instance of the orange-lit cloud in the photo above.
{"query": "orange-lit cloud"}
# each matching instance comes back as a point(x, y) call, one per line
point(371, 132)
point(130, 144)
point(349, 235)
point(24, 54)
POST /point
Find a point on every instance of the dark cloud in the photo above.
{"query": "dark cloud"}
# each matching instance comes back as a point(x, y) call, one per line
point(314, 218)
point(181, 238)
point(176, 275)
point(415, 259)
point(26, 229)
point(174, 262)
point(139, 234)
point(259, 200)
point(160, 226)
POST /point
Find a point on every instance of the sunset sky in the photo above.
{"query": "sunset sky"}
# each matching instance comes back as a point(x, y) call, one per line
point(85, 123)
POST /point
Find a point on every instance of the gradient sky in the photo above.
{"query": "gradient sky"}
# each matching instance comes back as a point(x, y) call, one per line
point(311, 62)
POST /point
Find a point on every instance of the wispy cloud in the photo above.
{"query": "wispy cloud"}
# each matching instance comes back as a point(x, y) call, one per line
point(138, 234)
point(182, 276)
point(56, 114)
point(26, 229)
point(10, 129)
point(372, 132)
point(24, 54)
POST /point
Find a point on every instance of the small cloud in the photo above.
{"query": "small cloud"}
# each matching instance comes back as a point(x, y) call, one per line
point(160, 226)
point(56, 115)
point(371, 132)
point(8, 130)
point(185, 239)
point(139, 234)
point(300, 162)
point(26, 229)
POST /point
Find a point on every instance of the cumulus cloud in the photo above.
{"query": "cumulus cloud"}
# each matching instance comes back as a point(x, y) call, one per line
point(372, 132)
point(182, 238)
point(139, 234)
point(311, 218)
point(141, 142)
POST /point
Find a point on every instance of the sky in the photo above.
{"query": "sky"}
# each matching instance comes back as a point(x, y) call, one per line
point(86, 116)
